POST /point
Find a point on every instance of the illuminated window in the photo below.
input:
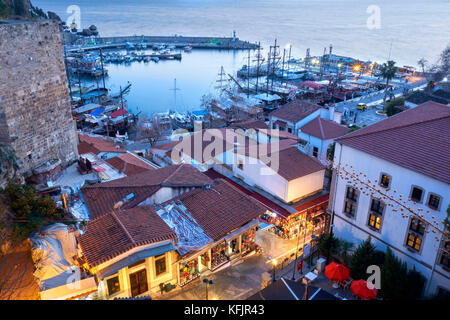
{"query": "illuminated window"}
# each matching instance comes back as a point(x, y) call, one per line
point(385, 180)
point(375, 214)
point(113, 285)
point(415, 234)
point(375, 221)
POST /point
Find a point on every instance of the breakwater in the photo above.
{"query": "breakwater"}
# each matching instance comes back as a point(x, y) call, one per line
point(177, 41)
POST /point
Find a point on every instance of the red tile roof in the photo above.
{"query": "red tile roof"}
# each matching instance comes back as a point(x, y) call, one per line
point(250, 124)
point(292, 163)
point(129, 164)
point(220, 209)
point(295, 110)
point(119, 231)
point(417, 139)
point(204, 145)
point(97, 145)
point(314, 202)
point(324, 129)
point(279, 134)
point(101, 198)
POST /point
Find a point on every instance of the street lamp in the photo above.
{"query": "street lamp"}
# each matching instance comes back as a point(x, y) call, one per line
point(304, 225)
point(274, 263)
point(207, 282)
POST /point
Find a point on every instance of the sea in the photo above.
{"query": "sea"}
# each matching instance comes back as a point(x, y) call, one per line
point(370, 30)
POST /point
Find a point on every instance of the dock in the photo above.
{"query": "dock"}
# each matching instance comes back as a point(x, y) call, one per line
point(220, 43)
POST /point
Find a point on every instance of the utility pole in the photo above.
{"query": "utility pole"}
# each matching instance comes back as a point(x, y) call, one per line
point(248, 75)
point(121, 97)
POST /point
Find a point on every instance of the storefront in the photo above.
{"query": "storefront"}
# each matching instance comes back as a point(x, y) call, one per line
point(248, 243)
point(219, 255)
point(189, 271)
point(310, 215)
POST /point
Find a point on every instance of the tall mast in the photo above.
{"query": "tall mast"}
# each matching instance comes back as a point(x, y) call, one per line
point(258, 57)
point(275, 55)
point(175, 89)
point(103, 69)
point(248, 75)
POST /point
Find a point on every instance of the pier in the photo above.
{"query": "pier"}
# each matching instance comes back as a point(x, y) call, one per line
point(223, 43)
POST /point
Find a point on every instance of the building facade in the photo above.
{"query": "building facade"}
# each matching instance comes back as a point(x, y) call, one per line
point(390, 183)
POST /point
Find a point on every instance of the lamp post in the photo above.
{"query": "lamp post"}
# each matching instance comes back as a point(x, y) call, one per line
point(274, 263)
point(296, 252)
point(207, 282)
point(298, 241)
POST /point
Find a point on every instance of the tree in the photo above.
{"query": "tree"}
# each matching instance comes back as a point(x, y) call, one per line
point(397, 283)
point(343, 250)
point(388, 71)
point(328, 245)
point(391, 106)
point(364, 256)
point(28, 211)
point(422, 63)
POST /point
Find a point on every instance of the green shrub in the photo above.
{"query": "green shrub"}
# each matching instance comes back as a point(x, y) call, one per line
point(30, 211)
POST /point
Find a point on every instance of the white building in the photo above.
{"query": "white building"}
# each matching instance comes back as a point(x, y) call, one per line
point(319, 134)
point(407, 158)
point(281, 170)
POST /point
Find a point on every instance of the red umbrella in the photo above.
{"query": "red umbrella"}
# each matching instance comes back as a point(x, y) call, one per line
point(360, 289)
point(337, 272)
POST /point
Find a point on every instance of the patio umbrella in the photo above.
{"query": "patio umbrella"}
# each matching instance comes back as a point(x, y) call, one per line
point(360, 289)
point(337, 272)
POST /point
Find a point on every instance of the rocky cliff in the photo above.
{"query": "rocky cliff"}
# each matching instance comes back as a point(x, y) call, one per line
point(19, 9)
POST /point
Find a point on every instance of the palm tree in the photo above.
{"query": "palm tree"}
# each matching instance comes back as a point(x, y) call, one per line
point(388, 71)
point(422, 62)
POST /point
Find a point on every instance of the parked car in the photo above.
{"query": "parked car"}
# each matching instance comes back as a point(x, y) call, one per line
point(361, 106)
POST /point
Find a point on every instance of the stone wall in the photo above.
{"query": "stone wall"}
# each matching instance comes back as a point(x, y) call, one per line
point(35, 114)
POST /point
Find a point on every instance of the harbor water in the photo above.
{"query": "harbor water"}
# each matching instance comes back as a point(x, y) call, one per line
point(408, 30)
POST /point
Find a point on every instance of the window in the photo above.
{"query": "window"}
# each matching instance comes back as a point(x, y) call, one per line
point(415, 234)
point(274, 126)
point(350, 205)
point(434, 201)
point(375, 214)
point(445, 261)
point(385, 180)
point(377, 206)
point(351, 193)
point(160, 264)
point(241, 164)
point(290, 130)
point(315, 152)
point(113, 285)
point(416, 194)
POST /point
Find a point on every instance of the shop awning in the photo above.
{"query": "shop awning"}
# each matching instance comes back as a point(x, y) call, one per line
point(241, 229)
point(143, 254)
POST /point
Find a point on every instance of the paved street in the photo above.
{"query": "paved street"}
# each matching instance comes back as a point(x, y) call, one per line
point(242, 280)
